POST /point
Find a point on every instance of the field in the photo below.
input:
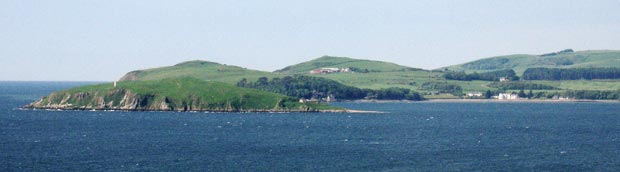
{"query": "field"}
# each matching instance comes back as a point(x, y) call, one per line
point(584, 84)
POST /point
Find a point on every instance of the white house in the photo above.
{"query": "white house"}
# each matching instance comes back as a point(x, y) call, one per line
point(507, 96)
point(503, 79)
point(474, 94)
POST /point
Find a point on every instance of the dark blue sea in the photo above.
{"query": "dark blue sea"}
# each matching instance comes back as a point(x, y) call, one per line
point(422, 136)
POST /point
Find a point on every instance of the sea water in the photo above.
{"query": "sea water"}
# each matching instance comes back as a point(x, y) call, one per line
point(420, 136)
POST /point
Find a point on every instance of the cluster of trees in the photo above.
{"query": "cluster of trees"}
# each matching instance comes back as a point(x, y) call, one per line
point(521, 86)
point(571, 74)
point(394, 93)
point(486, 76)
point(301, 86)
point(304, 87)
point(359, 70)
point(443, 87)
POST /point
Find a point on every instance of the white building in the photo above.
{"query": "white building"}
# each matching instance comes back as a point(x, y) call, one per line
point(474, 94)
point(503, 79)
point(330, 98)
point(329, 70)
point(507, 96)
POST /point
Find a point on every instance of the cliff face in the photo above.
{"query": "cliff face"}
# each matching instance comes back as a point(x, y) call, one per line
point(118, 99)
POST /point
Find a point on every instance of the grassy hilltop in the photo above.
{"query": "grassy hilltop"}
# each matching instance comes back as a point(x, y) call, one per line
point(173, 94)
point(343, 62)
point(205, 70)
point(520, 62)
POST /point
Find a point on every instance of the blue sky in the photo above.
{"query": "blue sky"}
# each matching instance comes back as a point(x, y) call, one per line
point(100, 40)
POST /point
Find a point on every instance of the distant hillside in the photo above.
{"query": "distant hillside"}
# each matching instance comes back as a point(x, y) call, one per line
point(343, 62)
point(197, 69)
point(562, 59)
point(181, 94)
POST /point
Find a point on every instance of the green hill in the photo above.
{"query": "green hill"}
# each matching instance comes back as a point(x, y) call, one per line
point(365, 73)
point(343, 62)
point(205, 70)
point(181, 94)
point(563, 59)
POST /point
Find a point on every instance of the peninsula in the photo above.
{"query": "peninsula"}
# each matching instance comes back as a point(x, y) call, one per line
point(175, 94)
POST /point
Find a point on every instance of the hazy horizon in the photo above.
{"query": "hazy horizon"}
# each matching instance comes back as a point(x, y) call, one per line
point(103, 40)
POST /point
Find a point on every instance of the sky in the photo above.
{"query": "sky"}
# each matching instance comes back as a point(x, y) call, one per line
point(101, 40)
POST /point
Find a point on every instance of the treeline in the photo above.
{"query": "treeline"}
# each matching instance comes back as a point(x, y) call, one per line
point(307, 87)
point(571, 74)
point(520, 86)
point(572, 94)
point(580, 94)
point(593, 95)
point(486, 76)
point(360, 70)
point(443, 87)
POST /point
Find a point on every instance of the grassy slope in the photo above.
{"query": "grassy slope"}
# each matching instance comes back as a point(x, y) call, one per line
point(341, 62)
point(520, 62)
point(198, 69)
point(209, 94)
point(385, 74)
